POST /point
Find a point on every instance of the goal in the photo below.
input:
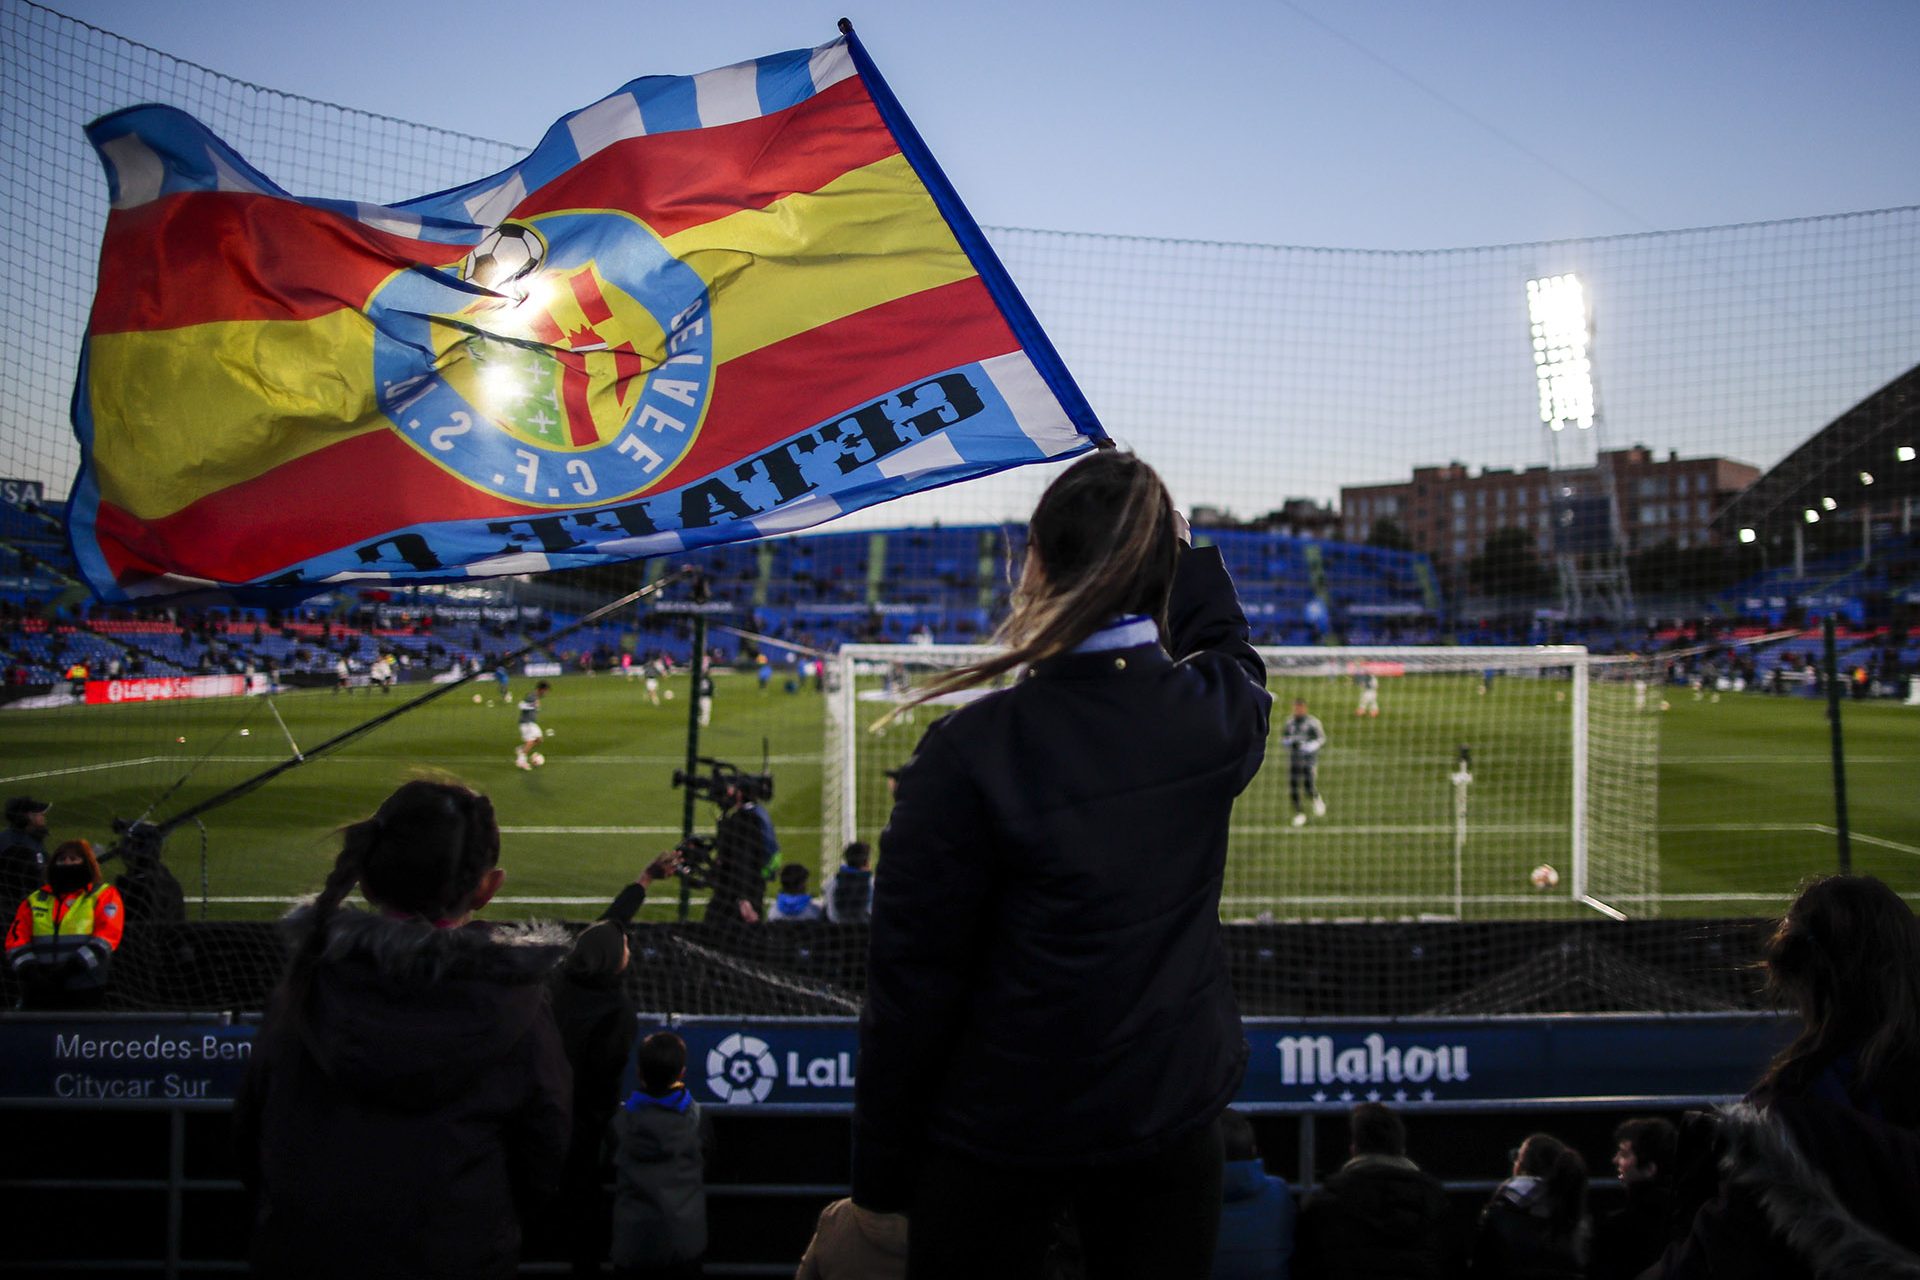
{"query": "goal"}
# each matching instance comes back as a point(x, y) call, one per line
point(1456, 782)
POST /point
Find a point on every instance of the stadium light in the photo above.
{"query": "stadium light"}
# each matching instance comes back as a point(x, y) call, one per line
point(1748, 535)
point(1562, 367)
point(1812, 516)
point(1866, 477)
point(1829, 504)
point(1904, 453)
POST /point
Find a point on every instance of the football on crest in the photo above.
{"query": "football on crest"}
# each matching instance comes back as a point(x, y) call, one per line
point(509, 252)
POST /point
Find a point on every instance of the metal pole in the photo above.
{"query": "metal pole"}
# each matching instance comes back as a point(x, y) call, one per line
point(1839, 754)
point(1462, 779)
point(176, 1190)
point(1309, 1151)
point(698, 668)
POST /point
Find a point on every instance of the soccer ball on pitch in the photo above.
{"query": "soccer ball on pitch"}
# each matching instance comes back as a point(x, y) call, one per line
point(1544, 877)
point(539, 760)
point(509, 252)
point(669, 694)
point(476, 698)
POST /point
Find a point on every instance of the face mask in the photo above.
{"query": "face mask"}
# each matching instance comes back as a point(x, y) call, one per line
point(66, 877)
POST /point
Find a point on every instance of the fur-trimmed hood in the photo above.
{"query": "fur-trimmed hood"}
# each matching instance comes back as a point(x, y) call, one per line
point(1867, 1233)
point(406, 1014)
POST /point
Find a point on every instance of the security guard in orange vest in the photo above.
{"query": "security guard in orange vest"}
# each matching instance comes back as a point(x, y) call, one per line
point(65, 933)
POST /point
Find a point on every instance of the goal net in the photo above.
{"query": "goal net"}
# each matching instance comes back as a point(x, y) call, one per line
point(1454, 782)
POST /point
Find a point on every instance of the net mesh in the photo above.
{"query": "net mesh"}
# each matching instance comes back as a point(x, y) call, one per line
point(1454, 783)
point(1357, 430)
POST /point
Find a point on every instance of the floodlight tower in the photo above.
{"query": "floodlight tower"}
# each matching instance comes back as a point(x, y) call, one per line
point(1589, 544)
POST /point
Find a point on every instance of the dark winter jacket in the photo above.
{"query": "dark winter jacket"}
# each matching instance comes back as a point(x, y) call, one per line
point(660, 1146)
point(596, 1020)
point(413, 1111)
point(23, 867)
point(743, 847)
point(1379, 1218)
point(1809, 1188)
point(850, 896)
point(1632, 1237)
point(1047, 982)
point(1516, 1240)
point(1256, 1224)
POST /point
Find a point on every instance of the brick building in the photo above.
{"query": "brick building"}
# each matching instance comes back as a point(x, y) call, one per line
point(1449, 511)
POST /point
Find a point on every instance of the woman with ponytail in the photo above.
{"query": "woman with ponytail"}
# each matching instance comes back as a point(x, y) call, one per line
point(407, 1105)
point(1049, 1024)
point(1536, 1225)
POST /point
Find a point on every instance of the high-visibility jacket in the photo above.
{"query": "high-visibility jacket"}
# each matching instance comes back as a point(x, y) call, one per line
point(50, 929)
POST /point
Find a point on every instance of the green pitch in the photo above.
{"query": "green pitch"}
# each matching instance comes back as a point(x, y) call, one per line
point(1745, 805)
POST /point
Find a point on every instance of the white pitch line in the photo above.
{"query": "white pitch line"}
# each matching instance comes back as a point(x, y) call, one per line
point(1334, 828)
point(1348, 899)
point(1895, 845)
point(528, 901)
point(558, 759)
point(85, 768)
point(1798, 762)
point(627, 831)
point(1741, 826)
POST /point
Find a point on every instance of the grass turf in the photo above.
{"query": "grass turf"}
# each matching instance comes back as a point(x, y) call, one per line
point(1745, 791)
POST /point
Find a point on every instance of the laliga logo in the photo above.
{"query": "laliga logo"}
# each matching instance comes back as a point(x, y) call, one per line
point(741, 1069)
point(567, 360)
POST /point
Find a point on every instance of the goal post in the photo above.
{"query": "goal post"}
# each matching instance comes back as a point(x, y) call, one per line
point(1456, 782)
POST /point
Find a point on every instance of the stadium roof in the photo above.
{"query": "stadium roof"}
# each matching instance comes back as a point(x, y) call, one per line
point(1870, 452)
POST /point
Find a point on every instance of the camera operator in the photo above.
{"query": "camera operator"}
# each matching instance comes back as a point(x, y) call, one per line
point(744, 848)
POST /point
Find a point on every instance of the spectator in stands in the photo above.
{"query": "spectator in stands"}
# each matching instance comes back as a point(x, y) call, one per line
point(596, 1020)
point(793, 902)
point(1819, 1168)
point(23, 851)
point(1632, 1237)
point(661, 1143)
point(408, 1102)
point(1256, 1210)
point(849, 893)
point(852, 1243)
point(1380, 1217)
point(64, 933)
point(1536, 1226)
point(1072, 1043)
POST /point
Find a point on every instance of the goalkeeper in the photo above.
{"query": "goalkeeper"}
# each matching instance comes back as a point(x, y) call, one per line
point(1303, 736)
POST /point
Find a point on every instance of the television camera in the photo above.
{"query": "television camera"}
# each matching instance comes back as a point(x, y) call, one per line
point(715, 781)
point(721, 777)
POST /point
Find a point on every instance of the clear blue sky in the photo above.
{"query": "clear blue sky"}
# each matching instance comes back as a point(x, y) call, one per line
point(1362, 124)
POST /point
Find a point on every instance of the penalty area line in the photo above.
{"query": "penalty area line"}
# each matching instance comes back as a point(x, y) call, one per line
point(87, 768)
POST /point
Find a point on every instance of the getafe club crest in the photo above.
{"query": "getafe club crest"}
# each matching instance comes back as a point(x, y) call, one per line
point(569, 360)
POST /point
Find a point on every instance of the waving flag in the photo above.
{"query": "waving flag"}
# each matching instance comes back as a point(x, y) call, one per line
point(704, 309)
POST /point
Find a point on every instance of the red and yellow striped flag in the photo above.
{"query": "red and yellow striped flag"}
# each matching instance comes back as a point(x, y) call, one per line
point(703, 309)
